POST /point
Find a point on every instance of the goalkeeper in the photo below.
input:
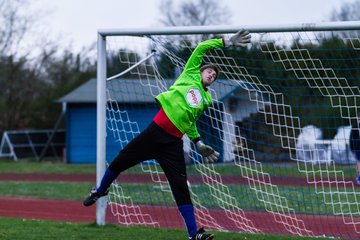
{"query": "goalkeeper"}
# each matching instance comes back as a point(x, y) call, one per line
point(180, 107)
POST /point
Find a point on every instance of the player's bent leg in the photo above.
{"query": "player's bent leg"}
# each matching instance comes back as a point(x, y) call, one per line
point(175, 171)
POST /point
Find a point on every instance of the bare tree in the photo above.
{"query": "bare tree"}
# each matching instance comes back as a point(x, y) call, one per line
point(15, 23)
point(348, 12)
point(34, 70)
point(194, 13)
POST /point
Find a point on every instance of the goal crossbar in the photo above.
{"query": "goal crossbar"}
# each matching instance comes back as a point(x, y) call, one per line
point(297, 27)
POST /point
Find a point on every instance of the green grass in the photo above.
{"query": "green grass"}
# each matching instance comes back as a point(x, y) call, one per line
point(33, 166)
point(46, 190)
point(20, 229)
point(228, 169)
point(288, 169)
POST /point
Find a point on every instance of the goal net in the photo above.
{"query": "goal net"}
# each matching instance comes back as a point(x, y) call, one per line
point(281, 117)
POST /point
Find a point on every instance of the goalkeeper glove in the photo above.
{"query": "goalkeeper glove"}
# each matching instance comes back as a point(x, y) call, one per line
point(242, 38)
point(208, 153)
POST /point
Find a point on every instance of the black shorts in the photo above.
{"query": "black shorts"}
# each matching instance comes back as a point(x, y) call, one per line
point(155, 143)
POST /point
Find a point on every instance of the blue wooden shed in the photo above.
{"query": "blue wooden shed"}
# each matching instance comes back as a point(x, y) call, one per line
point(81, 120)
point(81, 115)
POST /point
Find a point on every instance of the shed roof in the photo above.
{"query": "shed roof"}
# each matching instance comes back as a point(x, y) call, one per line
point(129, 90)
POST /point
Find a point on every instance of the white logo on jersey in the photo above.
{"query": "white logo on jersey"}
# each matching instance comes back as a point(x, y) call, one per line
point(193, 97)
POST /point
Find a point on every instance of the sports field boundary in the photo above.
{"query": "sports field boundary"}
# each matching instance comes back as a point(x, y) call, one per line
point(74, 211)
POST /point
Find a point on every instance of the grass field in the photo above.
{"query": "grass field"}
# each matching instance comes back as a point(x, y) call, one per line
point(33, 229)
point(21, 229)
point(33, 166)
point(284, 170)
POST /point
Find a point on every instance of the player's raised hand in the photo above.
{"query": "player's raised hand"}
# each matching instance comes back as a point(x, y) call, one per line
point(242, 38)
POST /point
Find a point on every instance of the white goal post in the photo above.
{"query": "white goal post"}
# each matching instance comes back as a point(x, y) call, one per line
point(292, 51)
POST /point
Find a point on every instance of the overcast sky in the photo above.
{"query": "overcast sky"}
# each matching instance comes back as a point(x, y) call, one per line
point(77, 21)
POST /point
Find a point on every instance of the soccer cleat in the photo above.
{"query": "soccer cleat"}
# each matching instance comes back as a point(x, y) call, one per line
point(93, 197)
point(201, 235)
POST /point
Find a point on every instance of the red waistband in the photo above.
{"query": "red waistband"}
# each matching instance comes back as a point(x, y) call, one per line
point(164, 122)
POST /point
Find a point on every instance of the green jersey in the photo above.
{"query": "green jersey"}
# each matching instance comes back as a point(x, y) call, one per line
point(186, 99)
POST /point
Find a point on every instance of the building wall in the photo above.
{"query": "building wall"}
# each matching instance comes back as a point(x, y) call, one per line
point(136, 118)
point(81, 131)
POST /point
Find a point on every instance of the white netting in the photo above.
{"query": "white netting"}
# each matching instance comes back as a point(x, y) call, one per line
point(257, 124)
